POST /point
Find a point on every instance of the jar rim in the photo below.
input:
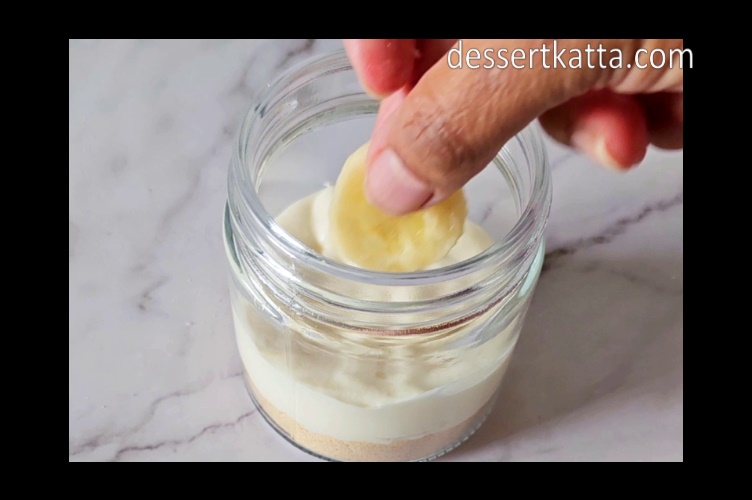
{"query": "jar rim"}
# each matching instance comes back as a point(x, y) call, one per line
point(523, 237)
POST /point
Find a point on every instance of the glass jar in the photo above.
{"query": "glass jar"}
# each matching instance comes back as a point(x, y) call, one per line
point(356, 365)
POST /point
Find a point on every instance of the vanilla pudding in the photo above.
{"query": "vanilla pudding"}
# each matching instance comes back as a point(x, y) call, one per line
point(359, 397)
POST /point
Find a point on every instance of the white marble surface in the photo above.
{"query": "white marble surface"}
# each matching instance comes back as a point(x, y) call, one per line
point(154, 375)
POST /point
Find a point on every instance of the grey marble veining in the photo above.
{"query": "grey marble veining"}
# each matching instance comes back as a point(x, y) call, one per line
point(598, 371)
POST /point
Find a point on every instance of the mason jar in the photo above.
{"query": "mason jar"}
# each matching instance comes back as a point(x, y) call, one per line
point(355, 365)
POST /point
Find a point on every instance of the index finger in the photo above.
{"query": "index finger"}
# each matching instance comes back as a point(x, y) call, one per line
point(382, 65)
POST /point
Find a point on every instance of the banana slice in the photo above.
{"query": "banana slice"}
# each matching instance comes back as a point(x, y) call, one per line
point(365, 236)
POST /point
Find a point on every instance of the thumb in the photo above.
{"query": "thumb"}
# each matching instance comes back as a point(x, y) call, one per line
point(467, 106)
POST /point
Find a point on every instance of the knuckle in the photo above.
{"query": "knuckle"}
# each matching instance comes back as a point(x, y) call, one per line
point(432, 142)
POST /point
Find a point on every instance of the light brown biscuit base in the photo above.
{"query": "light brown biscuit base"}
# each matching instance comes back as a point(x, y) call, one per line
point(405, 450)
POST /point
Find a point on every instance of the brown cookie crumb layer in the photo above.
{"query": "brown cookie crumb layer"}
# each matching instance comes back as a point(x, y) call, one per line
point(426, 447)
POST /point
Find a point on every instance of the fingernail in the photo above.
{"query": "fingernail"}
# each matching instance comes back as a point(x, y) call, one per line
point(392, 187)
point(594, 145)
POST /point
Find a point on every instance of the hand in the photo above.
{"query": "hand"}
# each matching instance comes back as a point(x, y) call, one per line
point(439, 126)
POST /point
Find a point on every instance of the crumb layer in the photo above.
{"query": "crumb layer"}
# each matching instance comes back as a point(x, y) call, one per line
point(404, 450)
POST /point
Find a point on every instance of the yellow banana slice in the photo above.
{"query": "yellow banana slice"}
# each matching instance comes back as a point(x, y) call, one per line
point(365, 236)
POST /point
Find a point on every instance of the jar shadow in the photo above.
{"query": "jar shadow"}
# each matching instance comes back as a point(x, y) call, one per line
point(594, 329)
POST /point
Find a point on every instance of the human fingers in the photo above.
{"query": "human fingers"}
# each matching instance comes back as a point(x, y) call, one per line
point(454, 121)
point(611, 128)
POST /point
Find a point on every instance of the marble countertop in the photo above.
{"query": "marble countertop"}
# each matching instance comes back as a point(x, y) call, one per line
point(153, 369)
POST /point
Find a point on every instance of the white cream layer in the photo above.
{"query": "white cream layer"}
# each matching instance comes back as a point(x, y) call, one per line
point(320, 410)
point(348, 399)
